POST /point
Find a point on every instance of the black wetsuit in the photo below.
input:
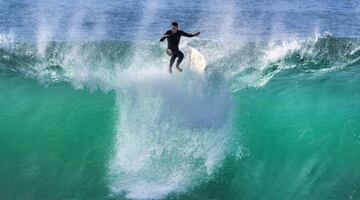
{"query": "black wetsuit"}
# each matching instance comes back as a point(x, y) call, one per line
point(173, 40)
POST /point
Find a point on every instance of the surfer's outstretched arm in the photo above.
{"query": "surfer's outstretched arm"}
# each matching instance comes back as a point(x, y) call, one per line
point(165, 36)
point(188, 34)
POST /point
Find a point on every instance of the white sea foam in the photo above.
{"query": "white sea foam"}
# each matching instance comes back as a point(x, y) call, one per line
point(171, 133)
point(44, 36)
point(279, 51)
point(6, 39)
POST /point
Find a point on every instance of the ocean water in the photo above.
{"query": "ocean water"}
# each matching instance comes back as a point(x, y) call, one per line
point(88, 109)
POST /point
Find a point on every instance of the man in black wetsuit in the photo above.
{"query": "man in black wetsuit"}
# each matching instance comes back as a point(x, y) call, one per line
point(173, 39)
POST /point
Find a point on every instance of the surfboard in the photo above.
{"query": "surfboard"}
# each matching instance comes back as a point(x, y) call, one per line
point(197, 61)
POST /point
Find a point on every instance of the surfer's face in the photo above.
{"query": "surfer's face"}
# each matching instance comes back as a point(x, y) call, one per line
point(174, 28)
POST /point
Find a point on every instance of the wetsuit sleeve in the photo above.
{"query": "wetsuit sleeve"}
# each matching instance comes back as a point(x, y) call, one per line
point(164, 37)
point(187, 34)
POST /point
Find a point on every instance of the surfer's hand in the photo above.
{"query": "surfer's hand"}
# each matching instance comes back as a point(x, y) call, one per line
point(196, 34)
point(163, 38)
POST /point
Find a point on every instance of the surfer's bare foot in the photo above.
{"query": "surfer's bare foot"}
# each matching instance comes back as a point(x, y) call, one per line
point(179, 69)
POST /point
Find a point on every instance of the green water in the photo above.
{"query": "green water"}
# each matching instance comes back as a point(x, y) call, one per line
point(55, 141)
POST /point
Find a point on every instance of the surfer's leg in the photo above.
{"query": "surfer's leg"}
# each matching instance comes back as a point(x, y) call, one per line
point(172, 60)
point(180, 58)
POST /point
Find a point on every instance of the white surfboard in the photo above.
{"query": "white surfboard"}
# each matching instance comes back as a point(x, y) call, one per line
point(197, 61)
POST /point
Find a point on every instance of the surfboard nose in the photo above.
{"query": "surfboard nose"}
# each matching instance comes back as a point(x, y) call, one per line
point(197, 61)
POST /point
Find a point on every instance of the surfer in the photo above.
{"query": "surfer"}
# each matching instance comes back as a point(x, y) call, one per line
point(173, 39)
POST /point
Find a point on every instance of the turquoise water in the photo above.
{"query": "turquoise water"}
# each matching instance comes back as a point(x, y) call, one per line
point(104, 120)
point(62, 149)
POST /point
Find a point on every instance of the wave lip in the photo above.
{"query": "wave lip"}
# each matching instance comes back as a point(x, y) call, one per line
point(246, 64)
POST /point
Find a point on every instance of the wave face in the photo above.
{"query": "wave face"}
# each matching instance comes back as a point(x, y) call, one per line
point(278, 118)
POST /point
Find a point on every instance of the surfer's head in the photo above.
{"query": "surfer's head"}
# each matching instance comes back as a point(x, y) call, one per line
point(174, 27)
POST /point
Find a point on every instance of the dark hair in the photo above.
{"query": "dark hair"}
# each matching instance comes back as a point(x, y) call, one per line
point(174, 24)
